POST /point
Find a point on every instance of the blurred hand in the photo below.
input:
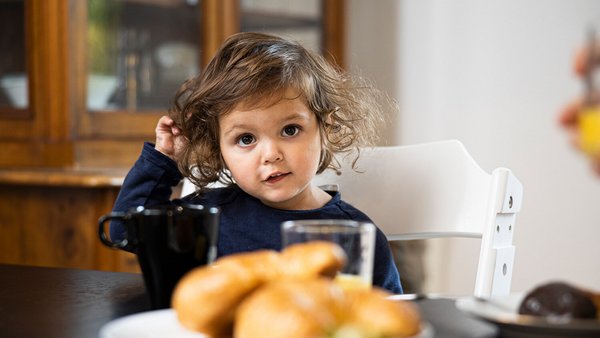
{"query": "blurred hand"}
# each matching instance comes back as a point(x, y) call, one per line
point(169, 138)
point(568, 116)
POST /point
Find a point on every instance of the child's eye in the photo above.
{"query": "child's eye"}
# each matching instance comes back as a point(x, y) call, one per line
point(290, 130)
point(245, 140)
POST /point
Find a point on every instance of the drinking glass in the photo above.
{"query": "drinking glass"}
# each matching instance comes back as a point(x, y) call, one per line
point(357, 239)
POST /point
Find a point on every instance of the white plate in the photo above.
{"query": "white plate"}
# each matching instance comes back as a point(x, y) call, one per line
point(163, 323)
point(503, 312)
point(159, 324)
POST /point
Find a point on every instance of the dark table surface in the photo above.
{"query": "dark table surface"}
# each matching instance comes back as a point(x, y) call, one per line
point(65, 303)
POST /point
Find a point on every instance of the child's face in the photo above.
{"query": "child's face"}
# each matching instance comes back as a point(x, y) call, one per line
point(273, 152)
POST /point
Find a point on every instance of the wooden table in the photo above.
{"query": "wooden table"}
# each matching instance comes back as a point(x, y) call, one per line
point(65, 303)
point(56, 302)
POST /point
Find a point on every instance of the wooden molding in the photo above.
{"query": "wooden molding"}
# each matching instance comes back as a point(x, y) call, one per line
point(35, 154)
point(63, 177)
point(107, 153)
point(334, 36)
point(48, 60)
point(220, 19)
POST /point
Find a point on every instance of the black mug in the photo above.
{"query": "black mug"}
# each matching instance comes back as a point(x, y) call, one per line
point(168, 241)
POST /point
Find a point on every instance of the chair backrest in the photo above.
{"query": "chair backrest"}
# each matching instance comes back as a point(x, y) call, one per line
point(437, 190)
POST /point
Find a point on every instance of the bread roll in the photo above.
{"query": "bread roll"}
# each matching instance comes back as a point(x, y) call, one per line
point(290, 309)
point(288, 294)
point(374, 314)
point(320, 308)
point(312, 259)
point(206, 298)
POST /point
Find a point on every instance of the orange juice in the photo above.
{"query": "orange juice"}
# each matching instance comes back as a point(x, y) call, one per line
point(351, 282)
point(589, 128)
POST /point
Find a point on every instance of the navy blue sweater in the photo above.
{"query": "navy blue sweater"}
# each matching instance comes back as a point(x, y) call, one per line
point(246, 224)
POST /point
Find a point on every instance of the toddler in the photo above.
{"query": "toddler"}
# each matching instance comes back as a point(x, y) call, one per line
point(263, 118)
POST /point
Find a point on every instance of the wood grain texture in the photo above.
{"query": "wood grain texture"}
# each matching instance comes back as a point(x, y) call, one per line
point(57, 226)
point(220, 19)
point(57, 177)
point(17, 154)
point(334, 32)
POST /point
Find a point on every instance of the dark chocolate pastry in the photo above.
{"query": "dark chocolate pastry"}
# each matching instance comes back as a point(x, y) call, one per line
point(558, 299)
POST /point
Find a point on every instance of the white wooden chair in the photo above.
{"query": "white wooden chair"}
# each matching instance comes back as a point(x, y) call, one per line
point(437, 190)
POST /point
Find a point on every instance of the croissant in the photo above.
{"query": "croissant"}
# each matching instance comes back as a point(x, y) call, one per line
point(319, 308)
point(206, 298)
point(288, 294)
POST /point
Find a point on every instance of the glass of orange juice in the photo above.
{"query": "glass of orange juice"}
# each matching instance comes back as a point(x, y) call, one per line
point(357, 239)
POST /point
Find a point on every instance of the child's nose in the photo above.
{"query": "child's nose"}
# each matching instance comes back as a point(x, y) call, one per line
point(271, 152)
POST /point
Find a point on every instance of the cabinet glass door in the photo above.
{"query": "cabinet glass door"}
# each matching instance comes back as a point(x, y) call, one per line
point(300, 20)
point(139, 52)
point(13, 71)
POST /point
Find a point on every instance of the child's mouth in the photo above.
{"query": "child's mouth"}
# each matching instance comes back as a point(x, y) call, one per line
point(276, 177)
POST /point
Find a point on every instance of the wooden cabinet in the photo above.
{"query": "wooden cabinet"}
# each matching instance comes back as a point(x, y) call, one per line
point(94, 77)
point(48, 217)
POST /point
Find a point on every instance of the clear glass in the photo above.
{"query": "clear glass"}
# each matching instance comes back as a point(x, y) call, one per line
point(140, 52)
point(300, 20)
point(13, 70)
point(357, 239)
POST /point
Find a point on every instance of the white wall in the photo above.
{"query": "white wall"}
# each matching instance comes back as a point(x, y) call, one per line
point(494, 74)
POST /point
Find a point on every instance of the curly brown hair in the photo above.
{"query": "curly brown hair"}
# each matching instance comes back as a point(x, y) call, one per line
point(255, 69)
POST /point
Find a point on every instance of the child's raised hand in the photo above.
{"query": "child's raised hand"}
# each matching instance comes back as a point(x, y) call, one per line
point(169, 138)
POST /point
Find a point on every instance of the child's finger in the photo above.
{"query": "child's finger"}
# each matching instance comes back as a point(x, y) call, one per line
point(166, 121)
point(581, 61)
point(596, 166)
point(568, 116)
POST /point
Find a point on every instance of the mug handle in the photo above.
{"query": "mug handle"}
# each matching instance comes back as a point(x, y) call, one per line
point(102, 234)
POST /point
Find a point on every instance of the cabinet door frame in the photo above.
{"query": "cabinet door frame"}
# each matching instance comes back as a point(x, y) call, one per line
point(41, 135)
point(118, 124)
point(25, 113)
point(334, 31)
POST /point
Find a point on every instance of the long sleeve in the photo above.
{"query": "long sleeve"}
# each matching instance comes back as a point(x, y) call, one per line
point(385, 273)
point(148, 183)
